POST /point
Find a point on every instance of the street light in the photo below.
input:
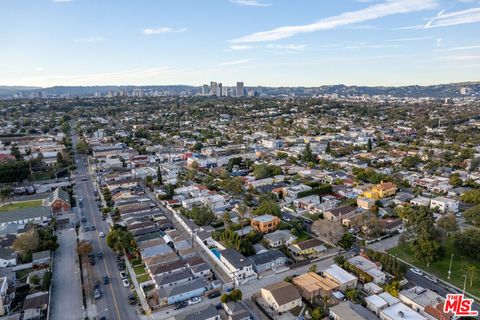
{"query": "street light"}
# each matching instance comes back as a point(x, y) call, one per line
point(450, 269)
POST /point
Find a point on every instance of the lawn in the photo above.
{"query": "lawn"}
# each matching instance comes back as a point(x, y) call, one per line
point(440, 268)
point(20, 205)
point(139, 270)
point(143, 278)
point(303, 236)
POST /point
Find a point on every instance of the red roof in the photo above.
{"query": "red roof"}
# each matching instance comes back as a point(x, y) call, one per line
point(4, 157)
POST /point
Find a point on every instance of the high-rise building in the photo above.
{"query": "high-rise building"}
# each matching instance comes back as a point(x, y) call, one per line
point(219, 90)
point(213, 88)
point(225, 91)
point(240, 90)
point(205, 90)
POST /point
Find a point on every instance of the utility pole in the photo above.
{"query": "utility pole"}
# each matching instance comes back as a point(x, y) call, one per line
point(450, 269)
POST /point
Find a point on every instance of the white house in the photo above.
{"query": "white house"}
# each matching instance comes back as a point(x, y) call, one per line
point(240, 267)
point(444, 204)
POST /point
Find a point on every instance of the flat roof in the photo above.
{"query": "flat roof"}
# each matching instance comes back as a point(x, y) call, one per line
point(376, 301)
point(401, 311)
point(340, 275)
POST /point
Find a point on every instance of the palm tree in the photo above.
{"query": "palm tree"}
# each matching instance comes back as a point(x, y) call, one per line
point(226, 219)
point(472, 270)
point(242, 210)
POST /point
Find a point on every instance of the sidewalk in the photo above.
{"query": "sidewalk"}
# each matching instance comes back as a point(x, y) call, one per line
point(139, 290)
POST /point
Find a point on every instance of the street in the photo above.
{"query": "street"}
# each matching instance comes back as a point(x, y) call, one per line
point(114, 303)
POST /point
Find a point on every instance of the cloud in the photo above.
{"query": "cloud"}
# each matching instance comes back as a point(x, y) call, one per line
point(251, 3)
point(240, 47)
point(62, 1)
point(89, 40)
point(161, 30)
point(411, 39)
point(390, 7)
point(288, 47)
point(454, 18)
point(372, 46)
point(473, 47)
point(459, 58)
point(233, 63)
point(39, 69)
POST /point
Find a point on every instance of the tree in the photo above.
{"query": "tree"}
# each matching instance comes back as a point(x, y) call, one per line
point(347, 241)
point(262, 171)
point(328, 231)
point(16, 152)
point(268, 206)
point(467, 243)
point(472, 196)
point(472, 215)
point(242, 209)
point(352, 294)
point(307, 154)
point(369, 145)
point(226, 219)
point(83, 147)
point(455, 180)
point(448, 223)
point(159, 176)
point(201, 215)
point(317, 313)
point(421, 234)
point(393, 288)
point(5, 193)
point(84, 248)
point(121, 240)
point(328, 148)
point(60, 161)
point(410, 161)
point(313, 268)
point(27, 243)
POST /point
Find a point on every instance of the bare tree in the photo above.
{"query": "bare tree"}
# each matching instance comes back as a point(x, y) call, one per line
point(328, 231)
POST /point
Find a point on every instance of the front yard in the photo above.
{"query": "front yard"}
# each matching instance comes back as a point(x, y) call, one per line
point(12, 206)
point(440, 268)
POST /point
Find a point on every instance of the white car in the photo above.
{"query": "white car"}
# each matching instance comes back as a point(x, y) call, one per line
point(194, 300)
point(126, 283)
point(417, 271)
point(431, 278)
point(101, 235)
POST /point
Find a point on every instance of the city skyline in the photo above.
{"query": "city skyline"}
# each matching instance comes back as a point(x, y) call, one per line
point(267, 43)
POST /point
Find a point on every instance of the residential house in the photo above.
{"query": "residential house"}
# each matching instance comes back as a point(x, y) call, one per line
point(420, 201)
point(210, 313)
point(37, 215)
point(444, 204)
point(35, 306)
point(236, 311)
point(8, 258)
point(344, 279)
point(343, 214)
point(368, 267)
point(173, 294)
point(265, 223)
point(41, 258)
point(279, 238)
point(419, 298)
point(312, 285)
point(382, 190)
point(173, 279)
point(241, 267)
point(365, 203)
point(270, 260)
point(348, 311)
point(400, 311)
point(281, 296)
point(5, 298)
point(307, 248)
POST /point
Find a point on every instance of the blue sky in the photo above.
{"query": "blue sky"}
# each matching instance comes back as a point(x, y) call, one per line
point(260, 42)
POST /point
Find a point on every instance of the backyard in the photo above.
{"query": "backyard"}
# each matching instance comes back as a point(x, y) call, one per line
point(12, 206)
point(460, 266)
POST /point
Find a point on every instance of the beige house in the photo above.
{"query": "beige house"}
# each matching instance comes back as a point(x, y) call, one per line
point(281, 296)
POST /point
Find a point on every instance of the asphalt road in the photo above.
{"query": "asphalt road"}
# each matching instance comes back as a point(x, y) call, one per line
point(66, 293)
point(114, 303)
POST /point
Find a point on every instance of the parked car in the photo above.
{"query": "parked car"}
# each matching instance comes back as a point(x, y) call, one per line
point(100, 255)
point(126, 283)
point(123, 275)
point(97, 293)
point(180, 305)
point(417, 271)
point(452, 290)
point(431, 278)
point(194, 300)
point(213, 295)
point(84, 219)
point(92, 227)
point(86, 228)
point(101, 234)
point(106, 280)
point(132, 299)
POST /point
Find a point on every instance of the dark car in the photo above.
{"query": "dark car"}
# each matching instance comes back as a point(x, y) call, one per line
point(180, 305)
point(100, 255)
point(106, 280)
point(86, 228)
point(92, 228)
point(214, 295)
point(84, 219)
point(132, 299)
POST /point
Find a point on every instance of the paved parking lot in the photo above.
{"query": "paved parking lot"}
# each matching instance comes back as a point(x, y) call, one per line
point(66, 288)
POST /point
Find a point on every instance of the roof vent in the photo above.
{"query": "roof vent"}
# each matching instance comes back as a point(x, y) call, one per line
point(401, 314)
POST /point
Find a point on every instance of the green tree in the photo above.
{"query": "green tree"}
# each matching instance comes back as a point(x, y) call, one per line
point(268, 206)
point(328, 148)
point(455, 180)
point(467, 243)
point(307, 154)
point(472, 196)
point(448, 223)
point(369, 145)
point(352, 294)
point(159, 176)
point(5, 193)
point(317, 313)
point(472, 215)
point(393, 288)
point(313, 268)
point(120, 240)
point(347, 241)
point(15, 151)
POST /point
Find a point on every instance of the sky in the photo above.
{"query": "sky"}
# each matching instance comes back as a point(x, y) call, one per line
point(260, 42)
